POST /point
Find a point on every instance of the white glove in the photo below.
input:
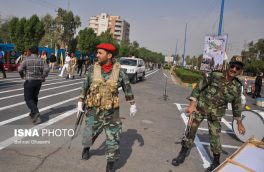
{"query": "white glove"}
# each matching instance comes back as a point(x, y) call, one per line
point(80, 106)
point(133, 110)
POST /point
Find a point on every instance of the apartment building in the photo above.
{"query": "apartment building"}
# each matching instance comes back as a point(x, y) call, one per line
point(118, 27)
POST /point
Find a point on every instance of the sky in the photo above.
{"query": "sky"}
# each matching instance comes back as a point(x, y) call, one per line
point(159, 24)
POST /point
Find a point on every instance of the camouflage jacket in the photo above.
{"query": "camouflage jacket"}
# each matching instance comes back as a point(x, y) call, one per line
point(215, 92)
point(123, 82)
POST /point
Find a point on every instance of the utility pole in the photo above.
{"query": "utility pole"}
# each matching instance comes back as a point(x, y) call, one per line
point(176, 51)
point(221, 18)
point(183, 56)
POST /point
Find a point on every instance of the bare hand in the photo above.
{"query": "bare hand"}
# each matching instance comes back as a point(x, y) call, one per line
point(241, 128)
point(190, 109)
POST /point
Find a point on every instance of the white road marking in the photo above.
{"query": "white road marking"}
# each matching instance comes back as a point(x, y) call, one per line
point(224, 146)
point(40, 110)
point(222, 131)
point(22, 80)
point(6, 91)
point(165, 75)
point(227, 123)
point(152, 72)
point(21, 103)
point(11, 140)
point(47, 89)
point(205, 157)
point(13, 78)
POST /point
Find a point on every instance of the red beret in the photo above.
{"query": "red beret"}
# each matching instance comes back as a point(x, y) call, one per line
point(107, 47)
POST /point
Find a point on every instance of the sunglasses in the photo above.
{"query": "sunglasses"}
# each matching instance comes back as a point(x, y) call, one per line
point(232, 66)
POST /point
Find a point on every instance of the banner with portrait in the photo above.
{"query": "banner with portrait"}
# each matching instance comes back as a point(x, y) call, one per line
point(214, 52)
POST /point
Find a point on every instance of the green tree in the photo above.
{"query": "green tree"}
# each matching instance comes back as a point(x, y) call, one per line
point(4, 34)
point(51, 36)
point(107, 37)
point(188, 60)
point(254, 57)
point(73, 45)
point(150, 56)
point(194, 61)
point(87, 40)
point(178, 58)
point(12, 25)
point(199, 61)
point(21, 41)
point(34, 30)
point(66, 24)
point(25, 33)
point(124, 49)
point(133, 49)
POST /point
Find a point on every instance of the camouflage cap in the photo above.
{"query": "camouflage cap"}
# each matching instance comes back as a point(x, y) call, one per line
point(237, 59)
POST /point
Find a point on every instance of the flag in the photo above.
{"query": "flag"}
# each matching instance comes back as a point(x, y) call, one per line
point(61, 60)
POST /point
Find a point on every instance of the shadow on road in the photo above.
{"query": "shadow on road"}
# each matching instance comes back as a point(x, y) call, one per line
point(45, 117)
point(4, 85)
point(128, 139)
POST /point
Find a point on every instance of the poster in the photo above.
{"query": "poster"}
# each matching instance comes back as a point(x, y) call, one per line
point(214, 52)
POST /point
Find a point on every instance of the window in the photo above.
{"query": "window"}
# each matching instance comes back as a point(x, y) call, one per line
point(129, 62)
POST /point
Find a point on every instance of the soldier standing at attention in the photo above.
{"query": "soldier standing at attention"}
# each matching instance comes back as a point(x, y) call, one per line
point(99, 93)
point(209, 100)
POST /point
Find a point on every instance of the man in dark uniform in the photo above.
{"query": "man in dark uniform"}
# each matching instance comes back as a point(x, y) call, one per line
point(258, 85)
point(100, 95)
point(2, 69)
point(209, 101)
point(34, 70)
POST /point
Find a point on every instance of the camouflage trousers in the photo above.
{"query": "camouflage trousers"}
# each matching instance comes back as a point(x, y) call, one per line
point(214, 126)
point(108, 121)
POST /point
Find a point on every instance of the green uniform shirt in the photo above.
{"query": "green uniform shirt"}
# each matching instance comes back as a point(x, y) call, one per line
point(123, 82)
point(215, 92)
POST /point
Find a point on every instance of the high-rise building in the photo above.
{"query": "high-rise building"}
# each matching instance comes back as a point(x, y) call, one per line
point(118, 27)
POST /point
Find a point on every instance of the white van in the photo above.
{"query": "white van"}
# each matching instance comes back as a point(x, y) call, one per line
point(134, 67)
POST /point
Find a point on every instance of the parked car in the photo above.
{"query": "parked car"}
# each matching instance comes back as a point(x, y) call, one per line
point(134, 67)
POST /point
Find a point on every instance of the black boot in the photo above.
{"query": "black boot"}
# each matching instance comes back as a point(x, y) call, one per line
point(85, 153)
point(110, 166)
point(181, 157)
point(35, 118)
point(215, 163)
point(31, 115)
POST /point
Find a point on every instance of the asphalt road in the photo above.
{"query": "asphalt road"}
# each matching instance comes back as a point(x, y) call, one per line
point(149, 141)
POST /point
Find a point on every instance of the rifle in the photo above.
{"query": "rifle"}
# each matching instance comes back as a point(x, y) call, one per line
point(77, 126)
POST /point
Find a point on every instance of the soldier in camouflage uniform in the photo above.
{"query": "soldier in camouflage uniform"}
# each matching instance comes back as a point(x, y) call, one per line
point(209, 101)
point(100, 95)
